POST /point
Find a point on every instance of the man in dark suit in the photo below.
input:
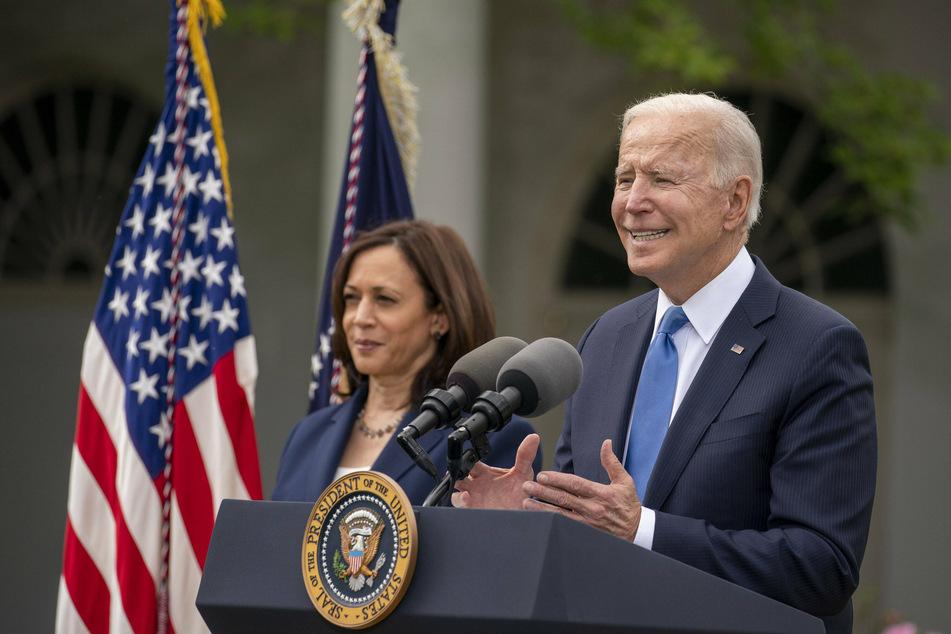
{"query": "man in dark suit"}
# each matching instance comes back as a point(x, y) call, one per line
point(763, 471)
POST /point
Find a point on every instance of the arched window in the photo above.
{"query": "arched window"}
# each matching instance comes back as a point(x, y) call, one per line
point(68, 156)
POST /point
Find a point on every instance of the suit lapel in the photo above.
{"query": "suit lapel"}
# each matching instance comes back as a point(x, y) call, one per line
point(334, 442)
point(630, 348)
point(716, 380)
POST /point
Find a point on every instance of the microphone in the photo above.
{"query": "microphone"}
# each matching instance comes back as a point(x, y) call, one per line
point(474, 372)
point(533, 381)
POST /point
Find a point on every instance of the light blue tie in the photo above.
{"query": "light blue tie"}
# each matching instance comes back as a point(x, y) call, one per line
point(654, 400)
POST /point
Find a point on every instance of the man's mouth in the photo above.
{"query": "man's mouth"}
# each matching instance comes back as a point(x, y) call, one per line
point(647, 236)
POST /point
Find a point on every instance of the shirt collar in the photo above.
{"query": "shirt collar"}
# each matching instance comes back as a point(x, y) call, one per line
point(709, 307)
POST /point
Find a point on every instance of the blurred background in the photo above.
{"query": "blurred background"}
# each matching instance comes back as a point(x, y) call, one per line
point(519, 105)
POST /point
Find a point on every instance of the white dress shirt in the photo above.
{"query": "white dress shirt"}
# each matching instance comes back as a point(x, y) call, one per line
point(706, 309)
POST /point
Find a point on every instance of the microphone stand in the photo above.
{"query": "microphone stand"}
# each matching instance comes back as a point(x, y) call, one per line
point(460, 463)
point(492, 410)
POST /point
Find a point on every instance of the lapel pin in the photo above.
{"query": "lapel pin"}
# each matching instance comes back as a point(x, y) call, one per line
point(737, 348)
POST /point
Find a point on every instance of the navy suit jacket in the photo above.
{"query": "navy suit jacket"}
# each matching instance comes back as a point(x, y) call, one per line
point(767, 473)
point(314, 447)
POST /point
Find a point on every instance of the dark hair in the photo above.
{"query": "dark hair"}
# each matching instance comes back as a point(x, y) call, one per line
point(450, 280)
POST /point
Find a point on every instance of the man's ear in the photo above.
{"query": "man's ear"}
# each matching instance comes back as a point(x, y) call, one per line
point(739, 195)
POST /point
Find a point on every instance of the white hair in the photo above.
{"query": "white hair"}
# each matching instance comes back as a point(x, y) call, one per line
point(737, 150)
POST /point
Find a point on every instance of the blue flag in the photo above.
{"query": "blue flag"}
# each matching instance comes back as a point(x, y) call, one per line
point(379, 167)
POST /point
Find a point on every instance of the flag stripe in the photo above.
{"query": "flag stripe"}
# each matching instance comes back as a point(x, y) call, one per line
point(98, 523)
point(67, 617)
point(246, 371)
point(184, 568)
point(89, 592)
point(194, 500)
point(237, 418)
point(100, 537)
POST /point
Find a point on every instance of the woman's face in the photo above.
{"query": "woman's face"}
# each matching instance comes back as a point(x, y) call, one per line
point(389, 328)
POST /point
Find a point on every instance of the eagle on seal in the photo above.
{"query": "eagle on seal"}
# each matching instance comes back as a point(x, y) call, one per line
point(360, 536)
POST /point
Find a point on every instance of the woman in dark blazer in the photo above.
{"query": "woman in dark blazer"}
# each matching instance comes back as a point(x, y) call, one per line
point(408, 302)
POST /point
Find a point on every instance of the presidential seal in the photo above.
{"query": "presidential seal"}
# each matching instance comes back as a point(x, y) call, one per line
point(359, 549)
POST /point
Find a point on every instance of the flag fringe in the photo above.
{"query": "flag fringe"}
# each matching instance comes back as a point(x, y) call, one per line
point(399, 94)
point(200, 12)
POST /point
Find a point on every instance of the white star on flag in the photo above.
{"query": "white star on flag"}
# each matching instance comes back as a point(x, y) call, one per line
point(146, 180)
point(199, 143)
point(224, 234)
point(132, 345)
point(162, 220)
point(210, 187)
point(226, 317)
point(200, 228)
point(168, 179)
point(140, 303)
point(237, 282)
point(127, 263)
point(165, 306)
point(145, 386)
point(157, 140)
point(118, 305)
point(194, 352)
point(212, 271)
point(150, 262)
point(156, 346)
point(203, 312)
point(188, 267)
point(137, 222)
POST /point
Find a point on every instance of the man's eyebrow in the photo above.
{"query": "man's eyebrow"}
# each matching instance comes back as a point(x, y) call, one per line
point(653, 170)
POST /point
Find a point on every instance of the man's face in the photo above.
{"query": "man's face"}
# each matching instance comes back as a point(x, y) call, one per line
point(677, 228)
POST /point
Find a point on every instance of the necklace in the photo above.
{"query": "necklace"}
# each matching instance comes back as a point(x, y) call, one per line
point(375, 433)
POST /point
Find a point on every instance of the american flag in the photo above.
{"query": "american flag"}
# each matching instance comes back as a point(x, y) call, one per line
point(165, 425)
point(380, 166)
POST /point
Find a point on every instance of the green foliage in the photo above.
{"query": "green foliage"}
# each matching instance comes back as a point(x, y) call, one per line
point(339, 566)
point(655, 36)
point(283, 20)
point(883, 134)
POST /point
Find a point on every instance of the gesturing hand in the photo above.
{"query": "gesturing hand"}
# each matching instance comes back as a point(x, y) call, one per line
point(614, 508)
point(494, 488)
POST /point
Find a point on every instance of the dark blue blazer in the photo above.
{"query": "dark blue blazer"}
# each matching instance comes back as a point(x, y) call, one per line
point(767, 473)
point(313, 450)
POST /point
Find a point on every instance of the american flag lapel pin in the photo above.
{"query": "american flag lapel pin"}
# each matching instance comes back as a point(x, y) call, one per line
point(737, 348)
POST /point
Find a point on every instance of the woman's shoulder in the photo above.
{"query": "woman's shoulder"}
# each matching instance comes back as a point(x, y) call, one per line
point(317, 422)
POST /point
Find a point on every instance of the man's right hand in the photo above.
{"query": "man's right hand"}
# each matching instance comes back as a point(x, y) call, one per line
point(494, 488)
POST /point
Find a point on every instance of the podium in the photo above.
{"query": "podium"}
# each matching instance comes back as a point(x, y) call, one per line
point(479, 570)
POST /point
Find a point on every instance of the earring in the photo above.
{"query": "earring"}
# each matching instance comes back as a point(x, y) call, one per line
point(437, 336)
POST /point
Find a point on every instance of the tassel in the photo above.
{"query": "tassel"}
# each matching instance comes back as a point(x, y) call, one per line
point(199, 12)
point(399, 94)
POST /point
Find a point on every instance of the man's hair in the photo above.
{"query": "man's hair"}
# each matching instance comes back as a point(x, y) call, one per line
point(737, 148)
point(450, 280)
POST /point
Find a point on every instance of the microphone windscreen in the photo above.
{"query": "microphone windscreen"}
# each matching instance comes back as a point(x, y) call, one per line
point(546, 373)
point(477, 371)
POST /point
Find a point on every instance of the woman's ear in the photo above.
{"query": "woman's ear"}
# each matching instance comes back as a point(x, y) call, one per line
point(440, 321)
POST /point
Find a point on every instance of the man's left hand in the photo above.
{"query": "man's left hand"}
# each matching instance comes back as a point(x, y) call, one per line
point(614, 508)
